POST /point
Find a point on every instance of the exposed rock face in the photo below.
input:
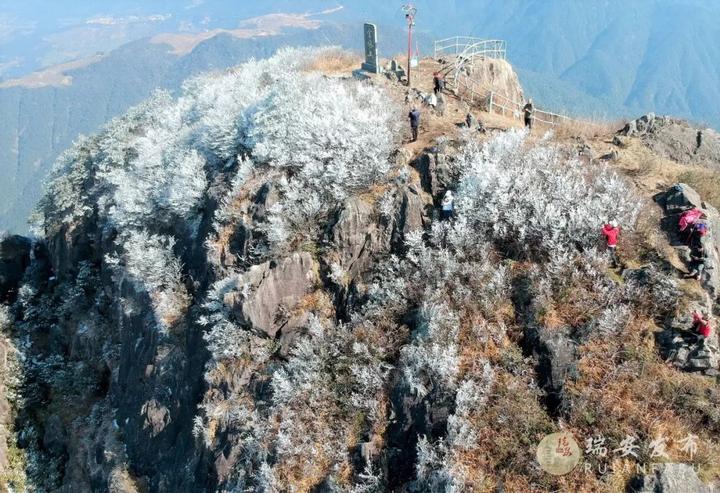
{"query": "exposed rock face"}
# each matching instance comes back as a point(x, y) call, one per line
point(680, 198)
point(556, 354)
point(499, 76)
point(274, 291)
point(5, 410)
point(670, 478)
point(676, 139)
point(14, 259)
point(413, 214)
point(265, 198)
point(681, 348)
point(434, 173)
point(357, 236)
point(416, 416)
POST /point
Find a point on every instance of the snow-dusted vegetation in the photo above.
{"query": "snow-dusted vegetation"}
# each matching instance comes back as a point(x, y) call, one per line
point(256, 294)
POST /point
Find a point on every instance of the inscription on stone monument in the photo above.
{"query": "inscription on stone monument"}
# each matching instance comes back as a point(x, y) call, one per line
point(371, 56)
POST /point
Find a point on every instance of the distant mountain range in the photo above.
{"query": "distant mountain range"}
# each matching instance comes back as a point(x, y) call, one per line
point(603, 59)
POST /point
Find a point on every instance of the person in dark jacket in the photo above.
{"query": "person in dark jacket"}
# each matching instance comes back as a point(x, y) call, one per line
point(697, 250)
point(528, 111)
point(414, 116)
point(436, 82)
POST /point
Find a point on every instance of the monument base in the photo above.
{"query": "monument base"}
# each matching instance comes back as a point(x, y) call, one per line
point(373, 69)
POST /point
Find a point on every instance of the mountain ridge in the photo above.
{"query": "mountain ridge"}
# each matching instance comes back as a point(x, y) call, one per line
point(225, 299)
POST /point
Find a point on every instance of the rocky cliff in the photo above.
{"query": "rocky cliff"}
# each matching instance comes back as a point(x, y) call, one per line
point(249, 288)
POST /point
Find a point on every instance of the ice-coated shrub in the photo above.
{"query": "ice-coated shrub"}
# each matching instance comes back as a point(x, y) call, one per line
point(66, 198)
point(221, 104)
point(149, 261)
point(434, 349)
point(226, 339)
point(150, 168)
point(433, 468)
point(534, 202)
point(339, 139)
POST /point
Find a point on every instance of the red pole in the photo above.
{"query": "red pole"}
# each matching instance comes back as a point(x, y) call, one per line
point(409, 48)
point(410, 16)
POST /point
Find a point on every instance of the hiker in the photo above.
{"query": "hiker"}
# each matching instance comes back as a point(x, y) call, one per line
point(414, 116)
point(611, 232)
point(697, 262)
point(431, 100)
point(436, 82)
point(470, 121)
point(687, 221)
point(697, 250)
point(528, 111)
point(695, 235)
point(701, 327)
point(447, 206)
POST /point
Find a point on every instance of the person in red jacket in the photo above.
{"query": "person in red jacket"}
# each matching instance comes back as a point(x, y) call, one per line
point(701, 326)
point(611, 232)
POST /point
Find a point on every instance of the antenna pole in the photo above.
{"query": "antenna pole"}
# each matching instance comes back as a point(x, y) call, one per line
point(410, 12)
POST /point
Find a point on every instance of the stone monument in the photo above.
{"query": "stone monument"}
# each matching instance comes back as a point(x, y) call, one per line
point(371, 56)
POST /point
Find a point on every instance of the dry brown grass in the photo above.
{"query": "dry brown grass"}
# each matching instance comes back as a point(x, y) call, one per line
point(332, 62)
point(625, 389)
point(317, 302)
point(705, 181)
point(652, 173)
point(587, 129)
point(648, 170)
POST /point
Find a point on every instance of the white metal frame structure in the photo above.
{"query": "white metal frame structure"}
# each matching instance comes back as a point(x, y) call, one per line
point(470, 47)
point(466, 50)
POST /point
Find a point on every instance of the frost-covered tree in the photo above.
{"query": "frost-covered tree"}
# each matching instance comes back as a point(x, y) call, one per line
point(534, 201)
point(150, 263)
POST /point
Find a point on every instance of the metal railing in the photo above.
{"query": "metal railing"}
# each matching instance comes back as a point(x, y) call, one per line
point(499, 103)
point(470, 47)
point(465, 50)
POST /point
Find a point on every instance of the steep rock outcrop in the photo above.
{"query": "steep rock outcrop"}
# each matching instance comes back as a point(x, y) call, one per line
point(497, 75)
point(434, 173)
point(413, 213)
point(556, 354)
point(273, 291)
point(675, 201)
point(357, 237)
point(676, 139)
point(14, 259)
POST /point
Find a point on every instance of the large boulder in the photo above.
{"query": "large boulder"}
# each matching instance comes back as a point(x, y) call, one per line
point(357, 237)
point(675, 201)
point(681, 349)
point(495, 74)
point(413, 213)
point(14, 259)
point(434, 173)
point(271, 292)
point(640, 126)
point(670, 478)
